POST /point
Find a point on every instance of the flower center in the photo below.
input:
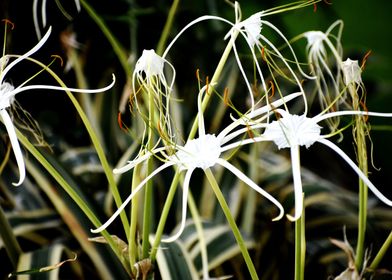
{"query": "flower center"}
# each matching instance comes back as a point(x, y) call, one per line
point(150, 63)
point(202, 152)
point(6, 96)
point(291, 130)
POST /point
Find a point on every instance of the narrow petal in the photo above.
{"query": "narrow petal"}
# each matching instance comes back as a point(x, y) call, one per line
point(129, 198)
point(31, 87)
point(361, 175)
point(133, 163)
point(253, 185)
point(15, 146)
point(77, 4)
point(30, 52)
point(321, 117)
point(296, 169)
point(184, 207)
point(244, 142)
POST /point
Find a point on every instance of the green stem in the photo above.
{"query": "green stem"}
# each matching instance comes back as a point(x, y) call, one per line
point(381, 252)
point(148, 188)
point(359, 131)
point(300, 247)
point(133, 250)
point(164, 215)
point(117, 48)
point(231, 221)
point(9, 239)
point(199, 229)
point(166, 29)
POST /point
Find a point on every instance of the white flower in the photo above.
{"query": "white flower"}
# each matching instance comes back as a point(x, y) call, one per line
point(320, 45)
point(293, 131)
point(43, 14)
point(204, 152)
point(149, 74)
point(351, 72)
point(7, 96)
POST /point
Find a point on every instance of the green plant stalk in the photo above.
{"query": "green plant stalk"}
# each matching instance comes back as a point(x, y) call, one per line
point(232, 224)
point(164, 214)
point(199, 229)
point(147, 213)
point(248, 216)
point(133, 249)
point(10, 242)
point(117, 48)
point(97, 145)
point(300, 247)
point(72, 193)
point(380, 254)
point(359, 131)
point(166, 29)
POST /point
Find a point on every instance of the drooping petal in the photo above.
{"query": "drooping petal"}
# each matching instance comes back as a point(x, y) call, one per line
point(184, 208)
point(131, 164)
point(129, 198)
point(30, 52)
point(361, 175)
point(296, 169)
point(15, 146)
point(253, 185)
point(78, 90)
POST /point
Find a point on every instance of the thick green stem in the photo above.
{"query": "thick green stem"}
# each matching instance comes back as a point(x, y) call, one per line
point(359, 132)
point(133, 250)
point(165, 213)
point(9, 239)
point(199, 229)
point(148, 188)
point(232, 224)
point(300, 247)
point(381, 252)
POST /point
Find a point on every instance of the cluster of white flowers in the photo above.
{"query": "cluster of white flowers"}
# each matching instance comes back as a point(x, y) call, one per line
point(289, 130)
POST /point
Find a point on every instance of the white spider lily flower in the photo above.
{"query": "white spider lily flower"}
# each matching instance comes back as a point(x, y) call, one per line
point(250, 29)
point(203, 152)
point(149, 74)
point(351, 72)
point(292, 131)
point(43, 14)
point(320, 46)
point(7, 96)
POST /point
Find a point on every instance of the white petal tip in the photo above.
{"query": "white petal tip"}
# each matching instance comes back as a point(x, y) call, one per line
point(293, 218)
point(95, 230)
point(278, 217)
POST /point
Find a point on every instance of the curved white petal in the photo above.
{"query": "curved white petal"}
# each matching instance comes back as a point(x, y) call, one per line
point(35, 19)
point(131, 164)
point(361, 175)
point(129, 198)
point(265, 109)
point(350, 113)
point(30, 52)
point(184, 208)
point(78, 90)
point(296, 169)
point(15, 146)
point(253, 185)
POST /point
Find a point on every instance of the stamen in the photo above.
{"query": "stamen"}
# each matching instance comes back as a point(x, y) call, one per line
point(8, 22)
point(59, 57)
point(365, 58)
point(226, 98)
point(314, 7)
point(207, 84)
point(272, 89)
point(363, 105)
